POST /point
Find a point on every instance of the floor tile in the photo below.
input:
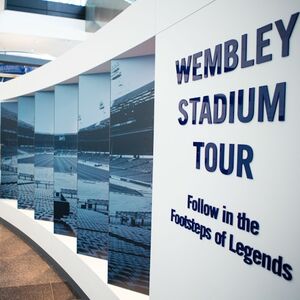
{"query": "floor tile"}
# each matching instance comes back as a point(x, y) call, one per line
point(53, 276)
point(11, 246)
point(61, 291)
point(25, 275)
point(23, 270)
point(29, 292)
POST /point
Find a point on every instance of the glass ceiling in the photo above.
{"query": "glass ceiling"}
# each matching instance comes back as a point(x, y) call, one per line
point(75, 2)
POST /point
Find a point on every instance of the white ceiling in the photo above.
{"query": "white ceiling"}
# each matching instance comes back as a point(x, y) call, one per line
point(40, 34)
point(35, 44)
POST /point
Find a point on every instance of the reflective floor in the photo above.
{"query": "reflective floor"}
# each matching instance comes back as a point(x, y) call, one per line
point(24, 274)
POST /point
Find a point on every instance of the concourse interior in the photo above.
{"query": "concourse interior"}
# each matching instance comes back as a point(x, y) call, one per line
point(148, 150)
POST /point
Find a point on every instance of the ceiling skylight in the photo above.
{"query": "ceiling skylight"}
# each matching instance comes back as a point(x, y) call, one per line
point(75, 2)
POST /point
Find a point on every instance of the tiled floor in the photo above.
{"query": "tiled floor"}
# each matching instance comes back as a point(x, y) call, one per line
point(24, 275)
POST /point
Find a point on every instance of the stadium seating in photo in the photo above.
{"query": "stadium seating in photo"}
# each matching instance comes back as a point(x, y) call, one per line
point(94, 137)
point(27, 149)
point(92, 243)
point(43, 198)
point(8, 168)
point(138, 169)
point(92, 212)
point(9, 132)
point(133, 142)
point(7, 114)
point(141, 95)
point(8, 177)
point(92, 220)
point(9, 141)
point(25, 134)
point(8, 190)
point(9, 150)
point(140, 236)
point(136, 176)
point(64, 152)
point(94, 157)
point(125, 163)
point(9, 156)
point(25, 129)
point(9, 128)
point(122, 246)
point(132, 122)
point(129, 271)
point(97, 205)
point(25, 140)
point(26, 160)
point(25, 177)
point(43, 203)
point(70, 220)
point(43, 141)
point(26, 194)
point(134, 162)
point(65, 142)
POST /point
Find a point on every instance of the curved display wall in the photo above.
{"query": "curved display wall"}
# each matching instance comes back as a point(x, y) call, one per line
point(161, 157)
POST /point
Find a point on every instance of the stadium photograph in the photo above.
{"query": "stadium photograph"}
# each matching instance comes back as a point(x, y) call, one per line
point(44, 155)
point(9, 150)
point(131, 160)
point(26, 152)
point(65, 159)
point(93, 165)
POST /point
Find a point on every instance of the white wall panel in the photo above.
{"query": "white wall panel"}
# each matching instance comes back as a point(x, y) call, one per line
point(170, 12)
point(182, 265)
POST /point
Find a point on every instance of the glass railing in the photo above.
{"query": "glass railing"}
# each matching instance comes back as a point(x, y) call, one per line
point(74, 2)
point(100, 12)
point(10, 71)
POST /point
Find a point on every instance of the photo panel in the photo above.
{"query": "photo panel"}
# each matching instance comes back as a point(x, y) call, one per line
point(9, 150)
point(65, 159)
point(26, 152)
point(44, 155)
point(93, 165)
point(131, 160)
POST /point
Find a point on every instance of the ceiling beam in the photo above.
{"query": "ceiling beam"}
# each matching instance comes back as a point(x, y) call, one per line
point(22, 60)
